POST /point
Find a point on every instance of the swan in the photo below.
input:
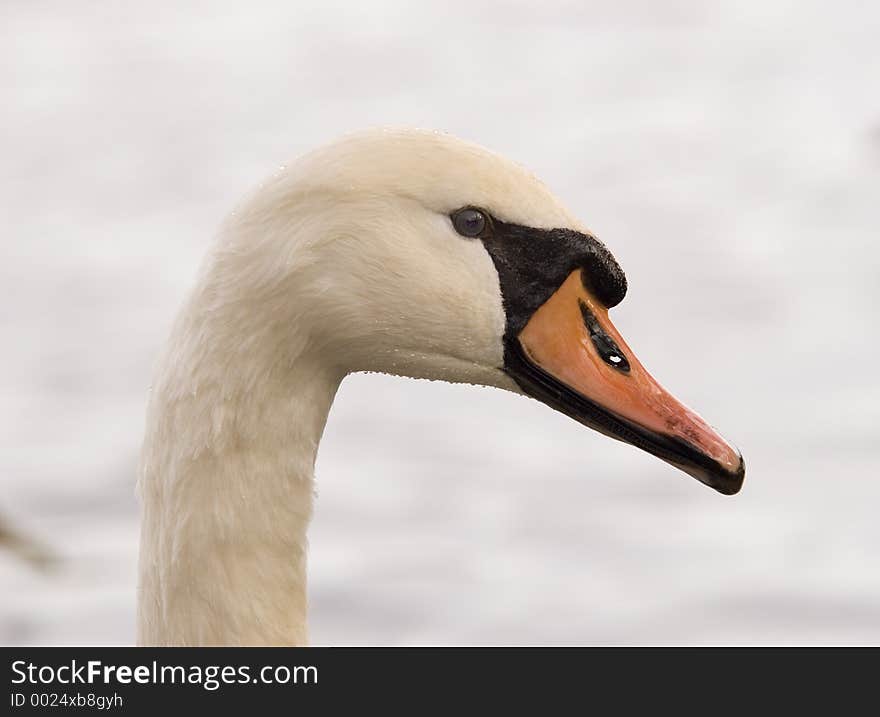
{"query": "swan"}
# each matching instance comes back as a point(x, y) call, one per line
point(407, 252)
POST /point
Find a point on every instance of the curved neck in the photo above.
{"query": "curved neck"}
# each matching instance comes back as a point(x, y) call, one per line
point(226, 485)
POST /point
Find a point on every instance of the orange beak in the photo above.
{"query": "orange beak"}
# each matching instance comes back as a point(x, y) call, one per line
point(570, 356)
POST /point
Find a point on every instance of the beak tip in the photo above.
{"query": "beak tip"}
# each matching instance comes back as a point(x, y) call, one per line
point(729, 483)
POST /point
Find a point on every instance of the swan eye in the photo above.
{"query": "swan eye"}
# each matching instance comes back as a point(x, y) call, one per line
point(469, 222)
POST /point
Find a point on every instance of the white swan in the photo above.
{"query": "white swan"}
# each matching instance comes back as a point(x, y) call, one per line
point(406, 252)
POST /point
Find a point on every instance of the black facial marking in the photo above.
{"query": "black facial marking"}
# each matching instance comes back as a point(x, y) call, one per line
point(533, 263)
point(606, 347)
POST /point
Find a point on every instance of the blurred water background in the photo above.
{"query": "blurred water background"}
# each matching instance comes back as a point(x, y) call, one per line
point(727, 152)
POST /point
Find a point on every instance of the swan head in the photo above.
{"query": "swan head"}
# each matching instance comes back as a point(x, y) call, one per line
point(417, 254)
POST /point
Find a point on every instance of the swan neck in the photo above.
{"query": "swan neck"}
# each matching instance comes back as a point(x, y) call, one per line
point(227, 486)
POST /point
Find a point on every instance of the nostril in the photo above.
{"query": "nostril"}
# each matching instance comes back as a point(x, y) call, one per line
point(605, 346)
point(609, 352)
